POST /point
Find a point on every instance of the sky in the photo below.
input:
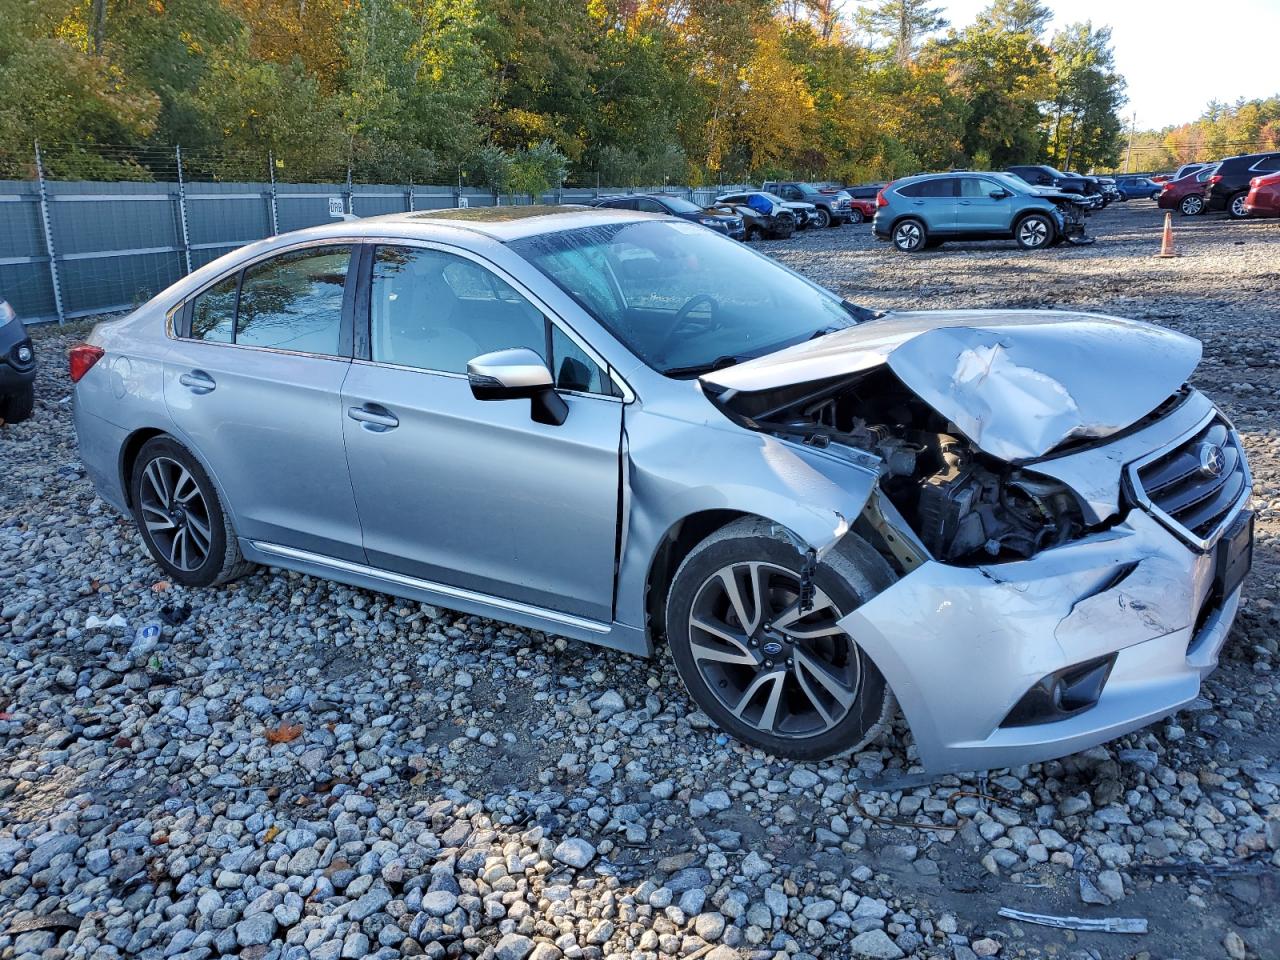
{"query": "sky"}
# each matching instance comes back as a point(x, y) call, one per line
point(1168, 52)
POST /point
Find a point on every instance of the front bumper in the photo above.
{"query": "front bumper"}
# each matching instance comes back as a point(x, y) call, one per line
point(960, 646)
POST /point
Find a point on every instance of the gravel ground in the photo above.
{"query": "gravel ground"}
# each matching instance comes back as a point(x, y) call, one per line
point(299, 769)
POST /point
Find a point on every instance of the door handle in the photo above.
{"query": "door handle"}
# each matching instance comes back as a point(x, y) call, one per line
point(373, 417)
point(965, 203)
point(197, 381)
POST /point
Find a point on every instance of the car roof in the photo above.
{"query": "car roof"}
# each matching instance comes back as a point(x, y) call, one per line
point(499, 223)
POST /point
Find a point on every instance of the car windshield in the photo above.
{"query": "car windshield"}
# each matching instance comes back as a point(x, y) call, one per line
point(1009, 181)
point(681, 205)
point(682, 298)
point(1054, 173)
point(808, 189)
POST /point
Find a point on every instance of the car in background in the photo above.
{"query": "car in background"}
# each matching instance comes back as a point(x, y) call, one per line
point(1186, 194)
point(831, 208)
point(766, 203)
point(1135, 188)
point(760, 222)
point(923, 211)
point(729, 224)
point(1264, 196)
point(1043, 175)
point(1228, 187)
point(17, 368)
point(1187, 168)
point(1110, 192)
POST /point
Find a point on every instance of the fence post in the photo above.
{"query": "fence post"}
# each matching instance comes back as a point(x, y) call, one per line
point(182, 210)
point(48, 237)
point(351, 197)
point(410, 197)
point(271, 175)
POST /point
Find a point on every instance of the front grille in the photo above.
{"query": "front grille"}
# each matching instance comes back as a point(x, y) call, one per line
point(1197, 486)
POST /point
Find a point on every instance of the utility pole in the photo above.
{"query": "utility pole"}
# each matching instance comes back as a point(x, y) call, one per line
point(1133, 125)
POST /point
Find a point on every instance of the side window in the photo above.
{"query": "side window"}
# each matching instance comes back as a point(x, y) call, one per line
point(790, 193)
point(941, 187)
point(973, 187)
point(294, 301)
point(573, 369)
point(626, 204)
point(1268, 163)
point(650, 206)
point(436, 311)
point(213, 314)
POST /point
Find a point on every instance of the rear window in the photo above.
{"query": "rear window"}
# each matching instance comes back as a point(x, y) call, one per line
point(1268, 163)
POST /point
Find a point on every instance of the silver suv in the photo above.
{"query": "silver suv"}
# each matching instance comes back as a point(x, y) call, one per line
point(628, 429)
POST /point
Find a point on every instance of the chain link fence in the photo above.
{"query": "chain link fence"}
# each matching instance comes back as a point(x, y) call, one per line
point(75, 248)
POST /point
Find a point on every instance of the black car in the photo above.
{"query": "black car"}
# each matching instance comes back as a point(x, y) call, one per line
point(864, 191)
point(1228, 187)
point(730, 224)
point(1043, 175)
point(17, 368)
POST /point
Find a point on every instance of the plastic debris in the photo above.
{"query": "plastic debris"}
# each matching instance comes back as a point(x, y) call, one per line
point(175, 614)
point(1100, 925)
point(94, 622)
point(145, 640)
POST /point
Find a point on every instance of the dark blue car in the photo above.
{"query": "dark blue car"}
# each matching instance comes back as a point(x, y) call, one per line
point(676, 207)
point(1135, 188)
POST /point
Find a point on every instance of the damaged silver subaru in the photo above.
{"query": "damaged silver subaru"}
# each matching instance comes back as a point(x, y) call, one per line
point(1024, 529)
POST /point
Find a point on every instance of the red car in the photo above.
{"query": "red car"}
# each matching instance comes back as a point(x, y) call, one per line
point(1186, 193)
point(1264, 196)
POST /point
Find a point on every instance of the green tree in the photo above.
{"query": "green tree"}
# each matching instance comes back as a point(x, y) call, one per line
point(902, 24)
point(1084, 129)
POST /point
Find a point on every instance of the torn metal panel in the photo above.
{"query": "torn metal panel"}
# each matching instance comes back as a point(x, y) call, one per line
point(990, 633)
point(677, 469)
point(1016, 383)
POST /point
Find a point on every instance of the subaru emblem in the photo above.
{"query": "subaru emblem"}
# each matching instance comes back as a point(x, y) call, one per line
point(771, 649)
point(1212, 459)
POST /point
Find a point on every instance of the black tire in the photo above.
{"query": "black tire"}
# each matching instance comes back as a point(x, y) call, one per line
point(1155, 194)
point(222, 561)
point(16, 407)
point(1192, 205)
point(856, 216)
point(1035, 231)
point(850, 575)
point(910, 235)
point(754, 233)
point(1235, 205)
point(822, 217)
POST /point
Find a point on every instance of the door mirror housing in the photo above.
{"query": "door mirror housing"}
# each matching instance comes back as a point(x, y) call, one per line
point(999, 193)
point(518, 374)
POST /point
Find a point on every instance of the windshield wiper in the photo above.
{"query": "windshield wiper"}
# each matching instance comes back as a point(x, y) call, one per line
point(697, 369)
point(859, 313)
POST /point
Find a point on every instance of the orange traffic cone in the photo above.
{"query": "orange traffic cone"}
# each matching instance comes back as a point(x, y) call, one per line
point(1166, 242)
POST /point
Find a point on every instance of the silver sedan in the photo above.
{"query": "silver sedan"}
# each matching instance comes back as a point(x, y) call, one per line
point(1022, 528)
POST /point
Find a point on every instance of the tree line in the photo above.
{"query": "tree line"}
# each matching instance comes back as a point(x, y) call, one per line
point(1223, 130)
point(522, 95)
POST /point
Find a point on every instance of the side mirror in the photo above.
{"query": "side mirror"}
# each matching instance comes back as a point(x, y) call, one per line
point(518, 374)
point(999, 194)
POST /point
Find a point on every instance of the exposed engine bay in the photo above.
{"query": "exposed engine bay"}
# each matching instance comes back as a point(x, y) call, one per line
point(965, 506)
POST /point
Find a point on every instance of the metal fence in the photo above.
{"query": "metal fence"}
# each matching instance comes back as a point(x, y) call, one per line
point(73, 249)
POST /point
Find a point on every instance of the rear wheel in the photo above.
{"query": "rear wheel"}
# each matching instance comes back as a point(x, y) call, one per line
point(1034, 232)
point(1235, 206)
point(909, 235)
point(16, 407)
point(788, 681)
point(181, 518)
point(1192, 205)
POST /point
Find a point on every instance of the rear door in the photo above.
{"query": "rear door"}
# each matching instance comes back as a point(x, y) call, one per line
point(473, 494)
point(253, 384)
point(933, 201)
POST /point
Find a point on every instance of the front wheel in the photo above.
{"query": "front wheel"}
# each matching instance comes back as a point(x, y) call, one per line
point(1192, 205)
point(1235, 206)
point(181, 518)
point(16, 407)
point(909, 236)
point(788, 680)
point(821, 217)
point(1034, 232)
point(856, 216)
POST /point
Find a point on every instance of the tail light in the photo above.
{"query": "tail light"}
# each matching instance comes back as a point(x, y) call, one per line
point(81, 359)
point(1216, 178)
point(881, 200)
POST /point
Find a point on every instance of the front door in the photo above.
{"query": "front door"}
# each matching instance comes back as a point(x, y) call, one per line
point(253, 383)
point(979, 212)
point(469, 493)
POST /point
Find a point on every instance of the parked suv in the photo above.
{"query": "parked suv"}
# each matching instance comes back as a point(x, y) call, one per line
point(17, 368)
point(833, 209)
point(1228, 188)
point(923, 211)
point(1043, 175)
point(726, 223)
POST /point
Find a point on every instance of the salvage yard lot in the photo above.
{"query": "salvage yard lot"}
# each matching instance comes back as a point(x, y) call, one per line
point(301, 769)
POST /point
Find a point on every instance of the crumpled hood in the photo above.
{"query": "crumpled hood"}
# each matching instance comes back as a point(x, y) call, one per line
point(1016, 383)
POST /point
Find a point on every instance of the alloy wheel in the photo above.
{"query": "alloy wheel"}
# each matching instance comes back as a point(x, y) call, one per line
point(175, 514)
point(908, 236)
point(785, 671)
point(1237, 206)
point(1033, 232)
point(1192, 205)
point(822, 217)
point(856, 216)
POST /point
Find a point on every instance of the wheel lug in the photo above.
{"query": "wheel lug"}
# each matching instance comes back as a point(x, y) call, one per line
point(768, 663)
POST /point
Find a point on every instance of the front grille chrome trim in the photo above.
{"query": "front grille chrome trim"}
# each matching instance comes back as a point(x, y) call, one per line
point(1138, 494)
